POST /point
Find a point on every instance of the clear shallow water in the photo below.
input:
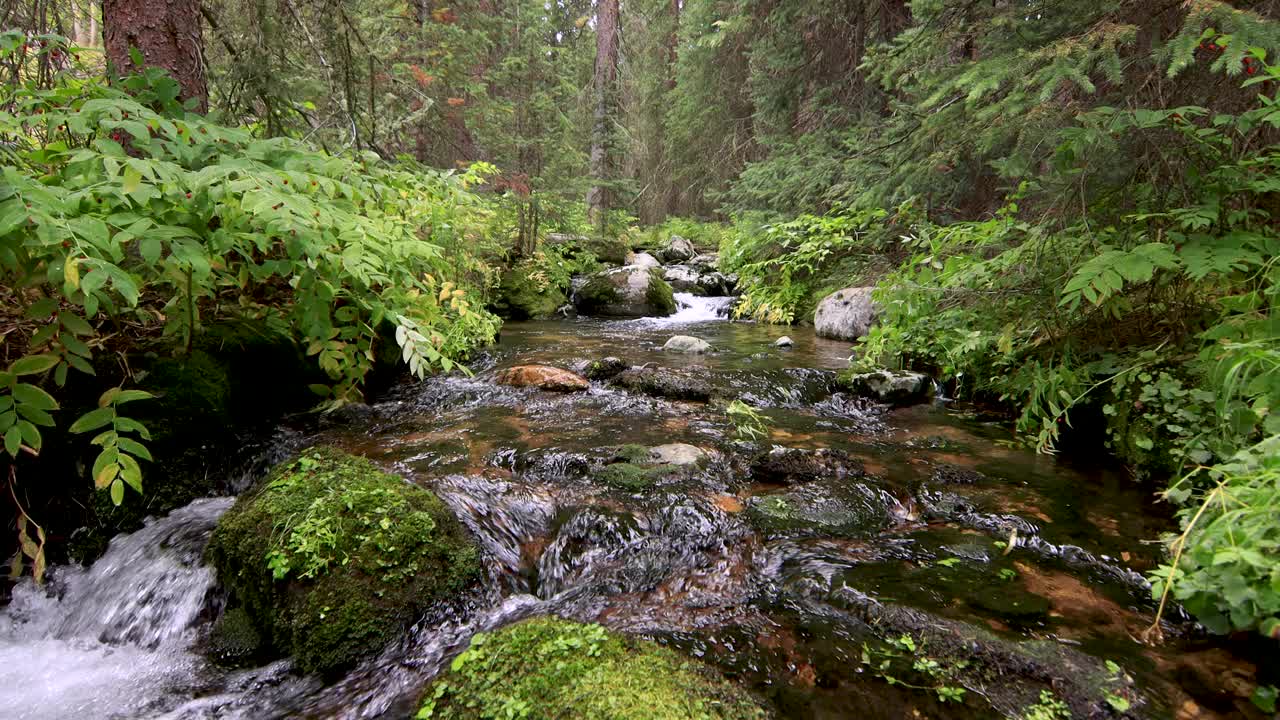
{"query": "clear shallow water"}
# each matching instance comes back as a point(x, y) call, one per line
point(681, 562)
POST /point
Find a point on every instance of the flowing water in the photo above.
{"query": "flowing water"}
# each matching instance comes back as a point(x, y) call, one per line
point(924, 518)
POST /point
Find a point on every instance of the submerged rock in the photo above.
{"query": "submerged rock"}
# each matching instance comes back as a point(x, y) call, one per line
point(890, 387)
point(846, 314)
point(956, 475)
point(829, 507)
point(790, 466)
point(543, 377)
point(630, 291)
point(547, 668)
point(664, 383)
point(687, 344)
point(678, 249)
point(331, 557)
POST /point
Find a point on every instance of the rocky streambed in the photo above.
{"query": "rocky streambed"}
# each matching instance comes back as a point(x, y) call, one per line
point(824, 556)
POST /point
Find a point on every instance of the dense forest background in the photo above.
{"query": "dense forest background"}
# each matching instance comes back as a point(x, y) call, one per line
point(1068, 206)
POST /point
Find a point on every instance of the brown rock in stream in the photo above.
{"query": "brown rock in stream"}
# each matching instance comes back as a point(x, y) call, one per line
point(543, 377)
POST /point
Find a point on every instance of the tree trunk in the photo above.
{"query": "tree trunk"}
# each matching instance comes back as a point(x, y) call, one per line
point(606, 89)
point(168, 33)
point(895, 16)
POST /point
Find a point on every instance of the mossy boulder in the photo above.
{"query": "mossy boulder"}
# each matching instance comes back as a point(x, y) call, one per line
point(631, 291)
point(331, 556)
point(548, 668)
point(234, 640)
point(521, 296)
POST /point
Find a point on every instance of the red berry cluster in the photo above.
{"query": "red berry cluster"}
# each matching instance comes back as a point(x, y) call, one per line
point(1250, 65)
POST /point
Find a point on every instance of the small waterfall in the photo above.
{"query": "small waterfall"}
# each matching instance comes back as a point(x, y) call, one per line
point(112, 640)
point(696, 309)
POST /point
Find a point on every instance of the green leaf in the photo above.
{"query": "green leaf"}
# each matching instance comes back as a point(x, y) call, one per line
point(75, 323)
point(34, 396)
point(13, 441)
point(93, 420)
point(130, 471)
point(33, 364)
point(131, 181)
point(124, 396)
point(135, 448)
point(117, 492)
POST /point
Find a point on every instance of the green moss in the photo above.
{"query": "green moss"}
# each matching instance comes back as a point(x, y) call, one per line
point(192, 393)
point(551, 668)
point(659, 294)
point(628, 476)
point(234, 641)
point(598, 292)
point(330, 556)
point(523, 297)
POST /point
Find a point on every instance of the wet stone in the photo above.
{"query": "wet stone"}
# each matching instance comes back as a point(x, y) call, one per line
point(664, 383)
point(604, 368)
point(955, 475)
point(543, 377)
point(687, 344)
point(890, 387)
point(836, 508)
point(678, 454)
point(784, 342)
point(790, 466)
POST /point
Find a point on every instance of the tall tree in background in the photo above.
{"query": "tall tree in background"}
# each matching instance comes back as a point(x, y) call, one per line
point(169, 35)
point(599, 197)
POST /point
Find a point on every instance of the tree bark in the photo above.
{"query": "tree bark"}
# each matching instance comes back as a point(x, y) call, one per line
point(168, 33)
point(599, 197)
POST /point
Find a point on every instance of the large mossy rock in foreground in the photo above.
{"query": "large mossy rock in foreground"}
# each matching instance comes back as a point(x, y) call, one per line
point(631, 291)
point(549, 668)
point(331, 557)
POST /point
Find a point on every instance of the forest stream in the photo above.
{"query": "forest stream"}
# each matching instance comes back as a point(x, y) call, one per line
point(925, 521)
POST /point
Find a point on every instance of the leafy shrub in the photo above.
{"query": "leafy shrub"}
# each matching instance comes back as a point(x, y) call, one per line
point(783, 266)
point(123, 216)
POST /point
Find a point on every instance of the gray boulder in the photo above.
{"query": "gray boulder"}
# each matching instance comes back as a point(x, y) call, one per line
point(718, 284)
point(891, 387)
point(845, 314)
point(682, 278)
point(643, 259)
point(687, 344)
point(630, 291)
point(677, 454)
point(705, 262)
point(678, 249)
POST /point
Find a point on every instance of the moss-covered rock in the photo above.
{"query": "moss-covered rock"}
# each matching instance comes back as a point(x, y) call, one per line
point(521, 296)
point(631, 291)
point(629, 476)
point(234, 640)
point(550, 668)
point(330, 557)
